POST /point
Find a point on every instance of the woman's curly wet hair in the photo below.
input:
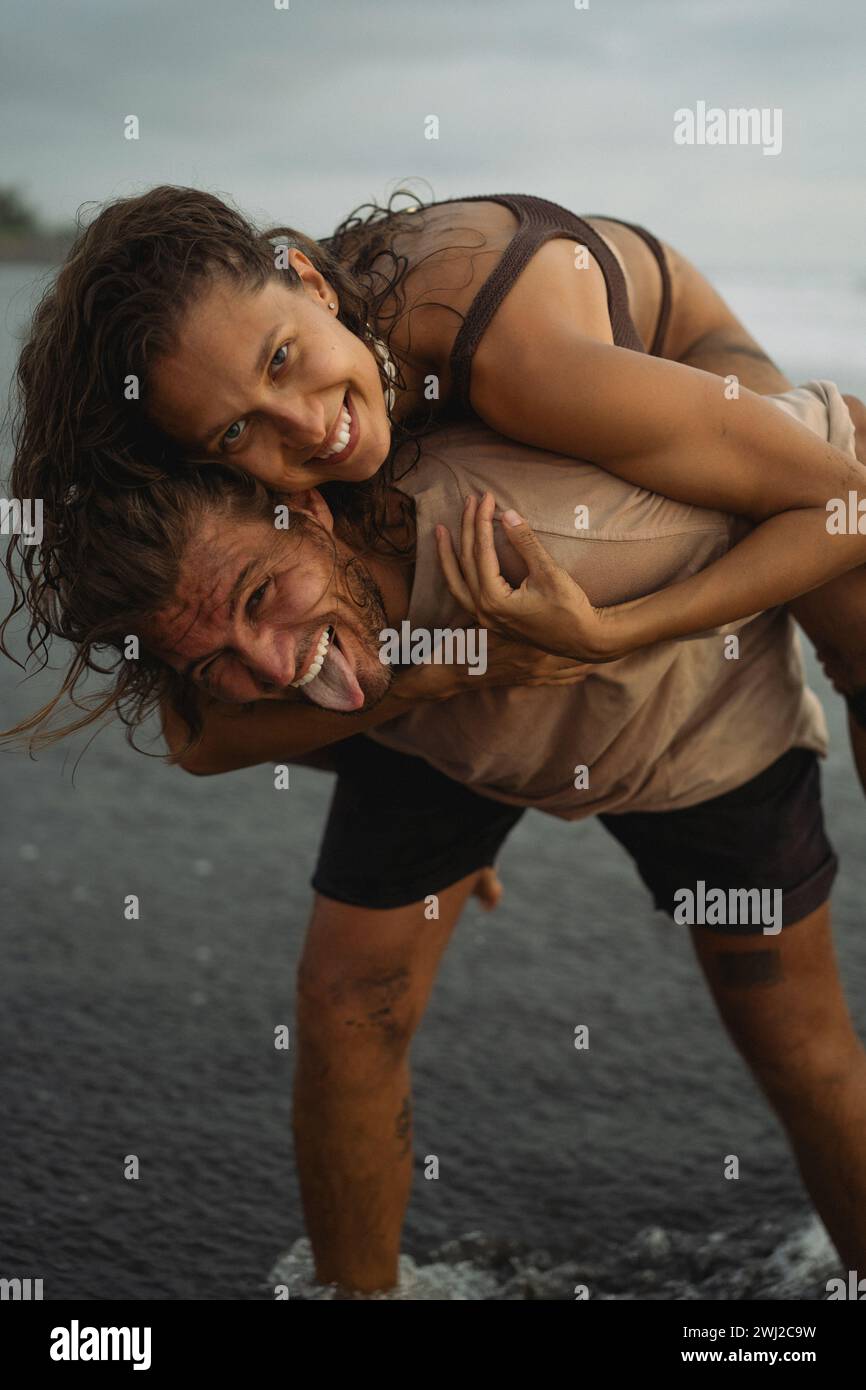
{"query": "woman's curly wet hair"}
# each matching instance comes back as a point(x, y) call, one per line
point(81, 434)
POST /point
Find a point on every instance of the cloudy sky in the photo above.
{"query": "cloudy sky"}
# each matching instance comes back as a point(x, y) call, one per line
point(300, 114)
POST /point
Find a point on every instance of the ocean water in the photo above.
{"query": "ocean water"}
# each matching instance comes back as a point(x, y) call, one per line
point(155, 1038)
point(657, 1263)
point(811, 330)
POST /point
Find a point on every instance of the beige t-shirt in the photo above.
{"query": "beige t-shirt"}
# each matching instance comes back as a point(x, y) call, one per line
point(663, 728)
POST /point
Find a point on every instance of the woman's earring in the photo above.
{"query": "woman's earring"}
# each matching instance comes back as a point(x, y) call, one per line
point(331, 304)
point(390, 371)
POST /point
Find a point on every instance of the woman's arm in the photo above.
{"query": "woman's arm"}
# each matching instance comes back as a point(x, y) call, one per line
point(236, 736)
point(670, 429)
point(785, 557)
point(551, 610)
point(661, 425)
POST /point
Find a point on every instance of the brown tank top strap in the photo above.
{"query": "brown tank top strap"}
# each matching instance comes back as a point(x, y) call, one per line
point(539, 221)
point(659, 252)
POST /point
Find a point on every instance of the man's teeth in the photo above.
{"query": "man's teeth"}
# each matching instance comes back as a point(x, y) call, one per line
point(341, 438)
point(318, 659)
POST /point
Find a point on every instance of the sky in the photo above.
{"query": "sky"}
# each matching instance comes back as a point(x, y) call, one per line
point(300, 114)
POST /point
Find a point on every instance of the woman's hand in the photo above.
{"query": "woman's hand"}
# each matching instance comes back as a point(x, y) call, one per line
point(508, 663)
point(549, 609)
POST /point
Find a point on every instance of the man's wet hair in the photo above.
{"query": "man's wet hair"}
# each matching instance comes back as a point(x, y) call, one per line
point(123, 569)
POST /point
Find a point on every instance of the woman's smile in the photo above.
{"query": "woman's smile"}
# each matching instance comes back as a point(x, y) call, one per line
point(343, 436)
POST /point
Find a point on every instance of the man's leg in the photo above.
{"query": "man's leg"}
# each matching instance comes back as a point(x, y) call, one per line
point(397, 832)
point(363, 984)
point(782, 1003)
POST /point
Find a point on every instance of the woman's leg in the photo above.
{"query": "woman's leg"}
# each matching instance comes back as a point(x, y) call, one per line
point(704, 332)
point(363, 985)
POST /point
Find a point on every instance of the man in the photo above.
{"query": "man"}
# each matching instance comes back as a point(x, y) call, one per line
point(699, 756)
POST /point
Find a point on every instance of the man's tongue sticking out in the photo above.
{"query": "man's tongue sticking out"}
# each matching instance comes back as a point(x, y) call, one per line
point(335, 687)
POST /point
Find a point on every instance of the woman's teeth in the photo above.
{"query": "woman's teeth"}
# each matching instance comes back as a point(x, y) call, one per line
point(318, 659)
point(341, 438)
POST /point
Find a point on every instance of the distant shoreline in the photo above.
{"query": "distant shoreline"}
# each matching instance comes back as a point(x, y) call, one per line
point(47, 249)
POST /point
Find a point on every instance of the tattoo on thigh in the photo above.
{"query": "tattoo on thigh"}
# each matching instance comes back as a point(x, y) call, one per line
point(742, 969)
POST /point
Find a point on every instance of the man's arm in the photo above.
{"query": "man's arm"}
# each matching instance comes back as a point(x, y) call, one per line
point(292, 731)
point(269, 731)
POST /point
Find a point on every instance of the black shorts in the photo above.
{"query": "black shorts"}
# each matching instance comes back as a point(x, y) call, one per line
point(398, 830)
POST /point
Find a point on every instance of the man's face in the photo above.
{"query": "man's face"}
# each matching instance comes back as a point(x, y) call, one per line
point(271, 381)
point(260, 612)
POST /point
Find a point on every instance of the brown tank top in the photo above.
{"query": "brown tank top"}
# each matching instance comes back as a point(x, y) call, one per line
point(539, 221)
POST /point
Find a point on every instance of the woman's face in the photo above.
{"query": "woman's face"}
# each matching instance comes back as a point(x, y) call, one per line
point(270, 380)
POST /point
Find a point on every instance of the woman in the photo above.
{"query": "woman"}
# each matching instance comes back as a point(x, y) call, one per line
point(175, 332)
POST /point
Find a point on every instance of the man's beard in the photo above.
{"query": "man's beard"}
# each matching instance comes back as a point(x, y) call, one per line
point(361, 594)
